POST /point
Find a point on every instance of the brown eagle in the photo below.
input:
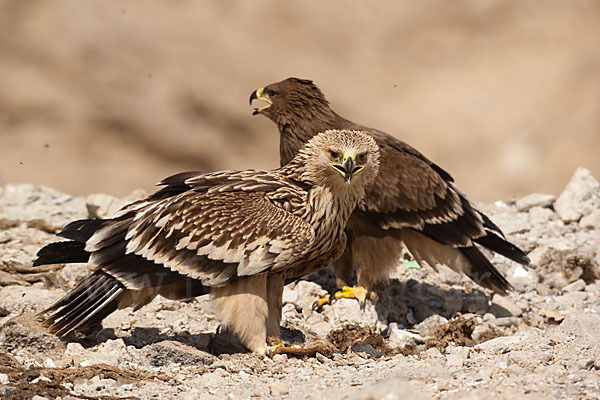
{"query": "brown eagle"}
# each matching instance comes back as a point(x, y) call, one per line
point(412, 201)
point(235, 234)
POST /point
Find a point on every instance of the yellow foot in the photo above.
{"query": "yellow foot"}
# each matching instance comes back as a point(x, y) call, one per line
point(348, 292)
point(356, 292)
point(317, 305)
point(270, 351)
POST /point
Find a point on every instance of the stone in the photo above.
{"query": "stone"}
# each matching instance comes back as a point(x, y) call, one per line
point(513, 223)
point(535, 200)
point(583, 326)
point(367, 349)
point(402, 338)
point(26, 299)
point(539, 216)
point(27, 202)
point(433, 352)
point(348, 311)
point(308, 293)
point(6, 390)
point(25, 332)
point(462, 351)
point(455, 360)
point(280, 358)
point(576, 286)
point(503, 306)
point(4, 379)
point(168, 352)
point(429, 326)
point(580, 197)
point(505, 321)
point(500, 344)
point(389, 389)
point(481, 331)
point(278, 389)
point(290, 296)
point(591, 220)
point(101, 205)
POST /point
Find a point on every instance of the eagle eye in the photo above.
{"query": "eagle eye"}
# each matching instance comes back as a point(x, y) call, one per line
point(361, 158)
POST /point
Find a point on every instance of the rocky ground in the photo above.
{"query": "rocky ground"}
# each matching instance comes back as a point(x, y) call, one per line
point(430, 335)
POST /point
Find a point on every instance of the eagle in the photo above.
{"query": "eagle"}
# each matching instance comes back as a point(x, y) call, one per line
point(413, 201)
point(237, 235)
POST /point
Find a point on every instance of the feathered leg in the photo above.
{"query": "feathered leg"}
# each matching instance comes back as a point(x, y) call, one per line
point(243, 307)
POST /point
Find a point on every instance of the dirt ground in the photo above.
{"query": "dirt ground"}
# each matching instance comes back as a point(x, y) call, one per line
point(429, 335)
point(105, 96)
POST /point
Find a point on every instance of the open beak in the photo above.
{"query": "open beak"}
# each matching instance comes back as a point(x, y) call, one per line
point(348, 169)
point(258, 95)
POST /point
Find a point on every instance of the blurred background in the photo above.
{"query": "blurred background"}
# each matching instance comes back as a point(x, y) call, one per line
point(109, 96)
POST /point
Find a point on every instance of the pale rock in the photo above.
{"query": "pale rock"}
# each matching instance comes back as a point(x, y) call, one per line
point(169, 352)
point(539, 216)
point(455, 360)
point(348, 311)
point(535, 200)
point(4, 380)
point(308, 293)
point(481, 330)
point(49, 363)
point(101, 205)
point(27, 202)
point(278, 389)
point(429, 326)
point(461, 351)
point(290, 295)
point(280, 358)
point(433, 352)
point(25, 332)
point(576, 286)
point(584, 327)
point(389, 389)
point(321, 328)
point(366, 349)
point(500, 344)
point(512, 223)
point(571, 298)
point(26, 299)
point(41, 378)
point(503, 306)
point(402, 338)
point(505, 321)
point(580, 197)
point(591, 220)
point(554, 370)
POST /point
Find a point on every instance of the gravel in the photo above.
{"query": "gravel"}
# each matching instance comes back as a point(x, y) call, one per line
point(429, 334)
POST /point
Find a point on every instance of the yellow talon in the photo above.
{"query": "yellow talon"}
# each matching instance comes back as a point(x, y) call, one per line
point(359, 293)
point(348, 292)
point(270, 351)
point(317, 305)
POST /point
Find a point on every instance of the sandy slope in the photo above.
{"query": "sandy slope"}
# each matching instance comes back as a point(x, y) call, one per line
point(108, 96)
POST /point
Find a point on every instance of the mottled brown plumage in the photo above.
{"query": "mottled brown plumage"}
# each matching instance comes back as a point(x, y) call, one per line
point(235, 234)
point(412, 201)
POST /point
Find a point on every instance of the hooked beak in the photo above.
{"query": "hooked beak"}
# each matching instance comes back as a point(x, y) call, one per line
point(258, 95)
point(349, 168)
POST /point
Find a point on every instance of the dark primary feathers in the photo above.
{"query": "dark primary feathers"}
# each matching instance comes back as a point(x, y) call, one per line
point(410, 193)
point(206, 231)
